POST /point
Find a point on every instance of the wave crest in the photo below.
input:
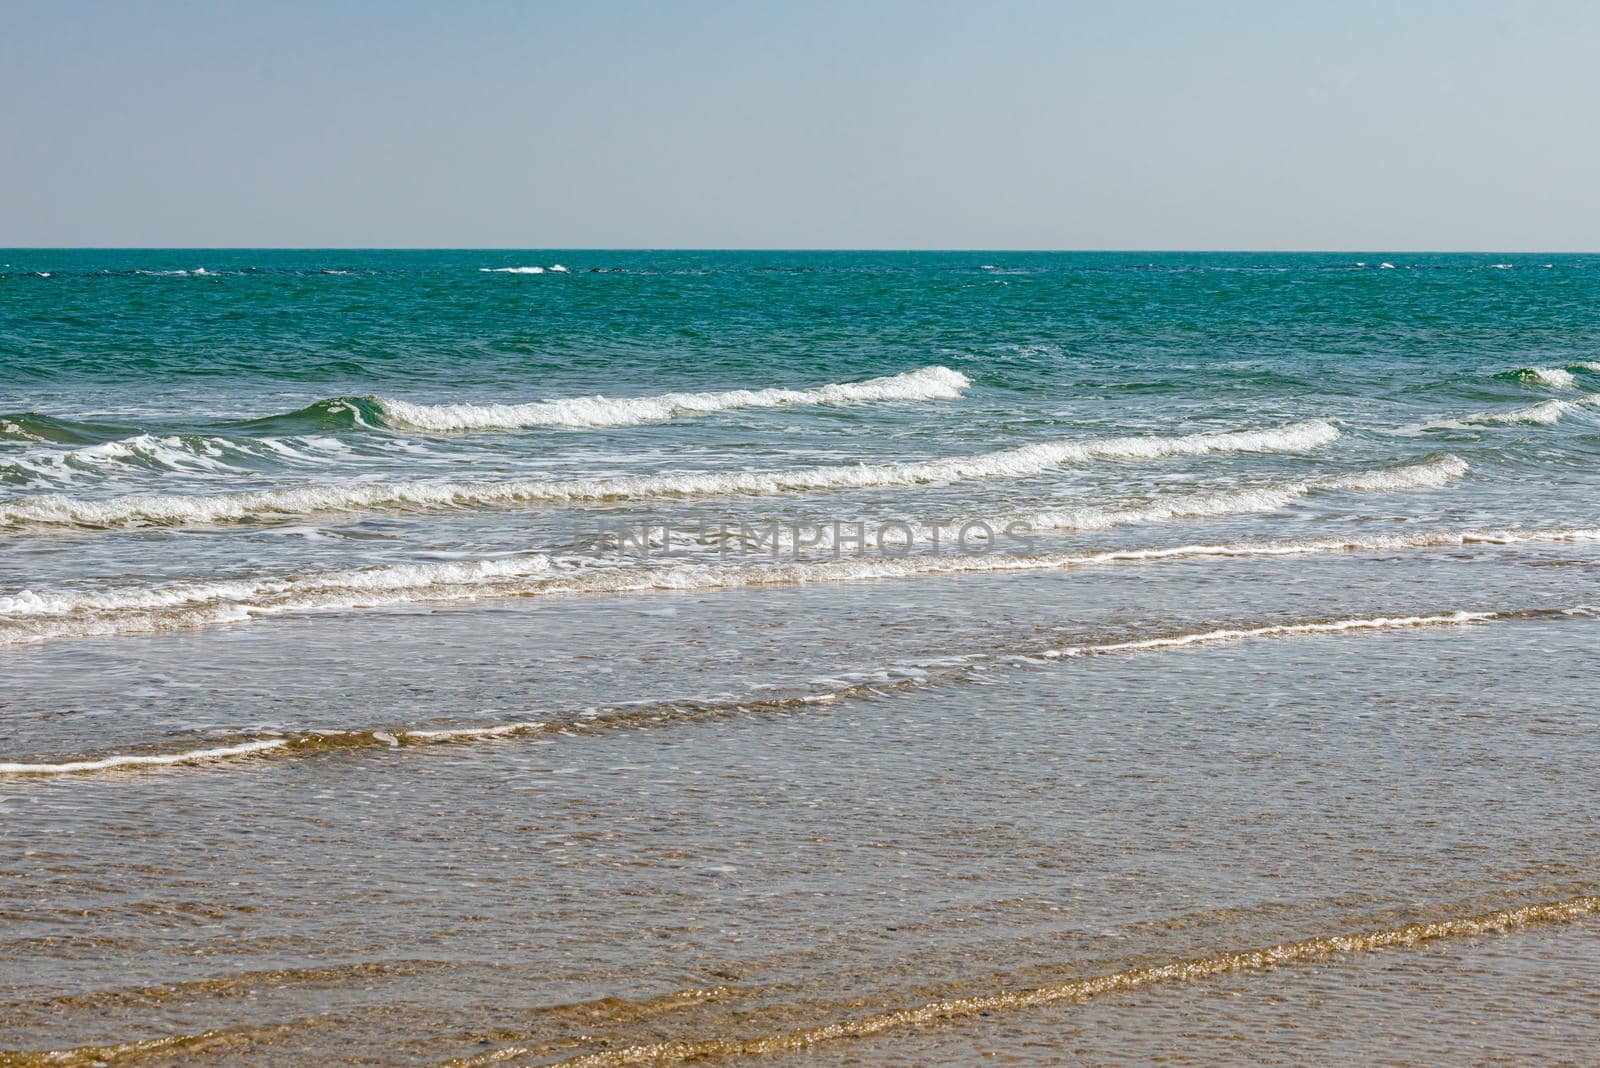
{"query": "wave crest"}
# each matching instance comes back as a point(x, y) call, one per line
point(1547, 414)
point(34, 617)
point(1550, 377)
point(925, 384)
point(117, 512)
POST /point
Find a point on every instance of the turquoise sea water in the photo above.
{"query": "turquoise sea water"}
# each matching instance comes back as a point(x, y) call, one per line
point(468, 654)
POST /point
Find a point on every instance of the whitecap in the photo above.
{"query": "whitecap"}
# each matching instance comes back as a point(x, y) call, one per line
point(1546, 414)
point(59, 510)
point(1553, 377)
point(924, 384)
point(34, 617)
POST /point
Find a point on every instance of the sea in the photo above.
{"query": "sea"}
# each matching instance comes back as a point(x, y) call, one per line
point(890, 658)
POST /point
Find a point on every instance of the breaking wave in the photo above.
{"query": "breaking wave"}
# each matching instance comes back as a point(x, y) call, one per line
point(60, 511)
point(1551, 377)
point(928, 383)
point(29, 616)
point(1269, 497)
point(1429, 474)
point(188, 454)
point(1546, 414)
point(33, 427)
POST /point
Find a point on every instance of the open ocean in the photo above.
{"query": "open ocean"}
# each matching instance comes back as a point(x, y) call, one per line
point(888, 658)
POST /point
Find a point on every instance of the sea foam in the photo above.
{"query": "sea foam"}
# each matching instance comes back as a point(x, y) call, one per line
point(40, 616)
point(141, 510)
point(1549, 377)
point(1546, 414)
point(1265, 497)
point(925, 384)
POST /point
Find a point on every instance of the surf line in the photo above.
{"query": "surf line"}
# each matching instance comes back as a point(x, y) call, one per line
point(657, 713)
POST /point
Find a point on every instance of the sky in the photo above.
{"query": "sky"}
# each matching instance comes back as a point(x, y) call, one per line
point(805, 124)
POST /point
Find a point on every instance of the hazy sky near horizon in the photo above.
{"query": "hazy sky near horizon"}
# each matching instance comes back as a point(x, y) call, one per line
point(1226, 124)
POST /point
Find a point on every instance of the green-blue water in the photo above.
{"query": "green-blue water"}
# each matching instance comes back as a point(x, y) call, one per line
point(428, 655)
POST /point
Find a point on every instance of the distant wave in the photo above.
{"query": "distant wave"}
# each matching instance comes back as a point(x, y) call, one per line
point(928, 383)
point(31, 617)
point(941, 671)
point(58, 510)
point(1546, 414)
point(512, 270)
point(596, 412)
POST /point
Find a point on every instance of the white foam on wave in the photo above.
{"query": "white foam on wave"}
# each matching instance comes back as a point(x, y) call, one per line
point(459, 733)
point(512, 270)
point(1275, 631)
point(1429, 474)
point(261, 593)
point(330, 739)
point(926, 384)
point(1267, 497)
point(171, 453)
point(189, 455)
point(58, 510)
point(35, 617)
point(1552, 377)
point(192, 756)
point(1545, 414)
point(15, 431)
point(202, 603)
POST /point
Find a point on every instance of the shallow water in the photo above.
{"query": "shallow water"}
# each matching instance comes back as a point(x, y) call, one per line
point(335, 728)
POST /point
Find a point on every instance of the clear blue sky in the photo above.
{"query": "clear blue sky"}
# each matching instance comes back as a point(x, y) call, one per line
point(1350, 125)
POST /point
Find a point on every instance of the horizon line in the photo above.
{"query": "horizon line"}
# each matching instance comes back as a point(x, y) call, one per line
point(775, 248)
